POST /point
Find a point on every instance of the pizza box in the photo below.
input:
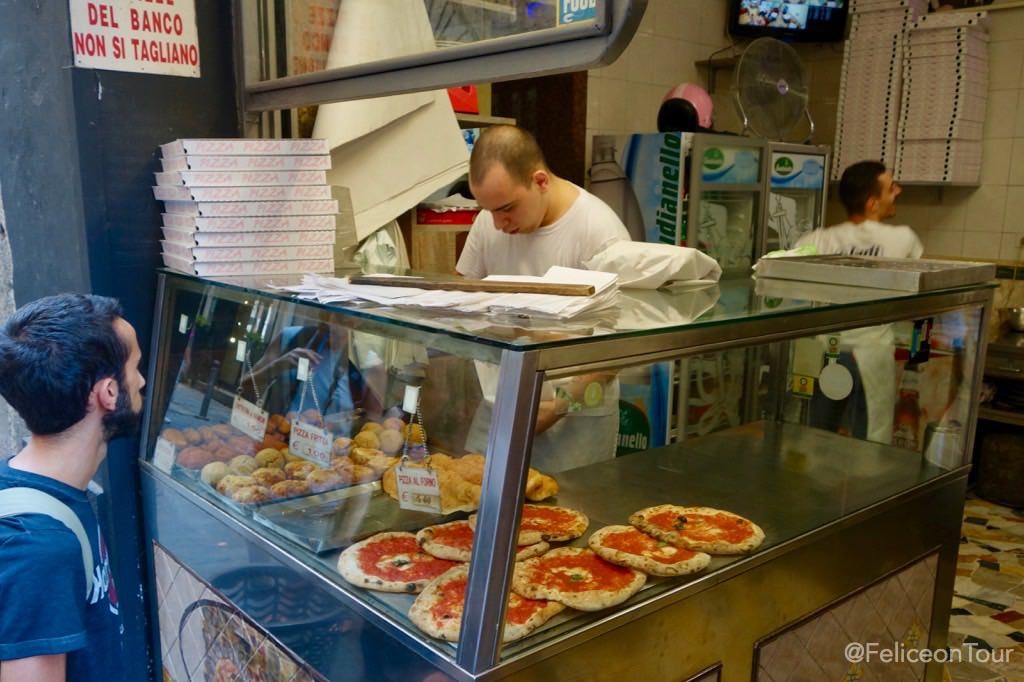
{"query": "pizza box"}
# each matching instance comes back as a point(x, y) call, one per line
point(256, 193)
point(247, 268)
point(953, 19)
point(244, 146)
point(293, 238)
point(245, 163)
point(185, 237)
point(247, 178)
point(223, 254)
point(217, 209)
point(250, 223)
point(879, 273)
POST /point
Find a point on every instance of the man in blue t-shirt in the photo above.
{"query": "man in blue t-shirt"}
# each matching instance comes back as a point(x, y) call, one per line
point(69, 365)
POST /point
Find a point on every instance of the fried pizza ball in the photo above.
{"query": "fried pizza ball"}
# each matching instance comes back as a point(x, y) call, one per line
point(270, 457)
point(289, 489)
point(390, 441)
point(213, 472)
point(366, 439)
point(268, 476)
point(243, 464)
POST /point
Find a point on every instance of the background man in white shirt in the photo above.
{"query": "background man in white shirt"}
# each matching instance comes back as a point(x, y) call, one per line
point(868, 192)
point(532, 220)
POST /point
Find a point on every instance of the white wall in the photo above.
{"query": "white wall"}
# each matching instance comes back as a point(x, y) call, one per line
point(674, 34)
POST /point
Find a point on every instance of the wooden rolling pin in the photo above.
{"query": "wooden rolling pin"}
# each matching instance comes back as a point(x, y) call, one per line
point(477, 285)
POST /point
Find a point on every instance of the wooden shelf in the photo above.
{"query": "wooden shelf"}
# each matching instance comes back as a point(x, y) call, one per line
point(478, 121)
point(993, 414)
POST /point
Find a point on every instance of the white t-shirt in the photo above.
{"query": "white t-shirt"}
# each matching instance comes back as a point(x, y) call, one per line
point(579, 438)
point(869, 238)
point(576, 237)
point(872, 347)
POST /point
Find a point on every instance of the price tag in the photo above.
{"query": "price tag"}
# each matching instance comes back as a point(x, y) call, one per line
point(310, 442)
point(183, 324)
point(250, 419)
point(418, 489)
point(302, 371)
point(163, 455)
point(410, 403)
point(240, 351)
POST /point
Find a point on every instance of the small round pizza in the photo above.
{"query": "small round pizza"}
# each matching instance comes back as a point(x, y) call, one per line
point(702, 529)
point(454, 541)
point(549, 523)
point(628, 546)
point(390, 562)
point(438, 609)
point(577, 578)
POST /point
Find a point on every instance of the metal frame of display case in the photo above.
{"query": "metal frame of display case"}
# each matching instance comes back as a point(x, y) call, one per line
point(510, 440)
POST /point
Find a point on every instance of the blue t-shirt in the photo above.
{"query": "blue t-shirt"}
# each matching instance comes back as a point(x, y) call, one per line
point(43, 605)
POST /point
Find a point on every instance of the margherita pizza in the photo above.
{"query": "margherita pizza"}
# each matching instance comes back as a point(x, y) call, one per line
point(702, 529)
point(390, 562)
point(438, 609)
point(454, 541)
point(627, 546)
point(548, 522)
point(577, 578)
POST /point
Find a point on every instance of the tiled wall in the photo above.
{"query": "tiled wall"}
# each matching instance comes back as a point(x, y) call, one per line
point(674, 34)
point(984, 223)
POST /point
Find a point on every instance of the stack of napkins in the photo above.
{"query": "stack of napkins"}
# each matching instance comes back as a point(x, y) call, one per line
point(245, 207)
point(340, 290)
point(870, 87)
point(945, 78)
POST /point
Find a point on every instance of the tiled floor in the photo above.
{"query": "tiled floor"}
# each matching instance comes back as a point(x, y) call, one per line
point(988, 605)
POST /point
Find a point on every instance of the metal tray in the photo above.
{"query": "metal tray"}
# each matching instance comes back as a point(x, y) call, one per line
point(338, 518)
point(904, 274)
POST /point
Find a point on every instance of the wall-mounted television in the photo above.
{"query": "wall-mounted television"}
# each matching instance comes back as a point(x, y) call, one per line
point(811, 21)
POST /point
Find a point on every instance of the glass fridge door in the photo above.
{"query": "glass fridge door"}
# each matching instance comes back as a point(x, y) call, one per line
point(796, 196)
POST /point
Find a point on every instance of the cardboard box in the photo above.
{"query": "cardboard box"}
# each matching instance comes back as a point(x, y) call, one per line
point(257, 193)
point(250, 223)
point(247, 178)
point(250, 208)
point(226, 254)
point(245, 163)
point(248, 268)
point(245, 146)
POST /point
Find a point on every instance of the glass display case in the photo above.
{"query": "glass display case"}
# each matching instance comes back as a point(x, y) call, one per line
point(283, 437)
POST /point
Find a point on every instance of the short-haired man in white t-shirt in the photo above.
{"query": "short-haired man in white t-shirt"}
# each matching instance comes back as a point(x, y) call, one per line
point(531, 220)
point(868, 192)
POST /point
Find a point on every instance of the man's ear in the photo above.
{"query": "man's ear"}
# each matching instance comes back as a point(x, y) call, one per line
point(542, 179)
point(106, 391)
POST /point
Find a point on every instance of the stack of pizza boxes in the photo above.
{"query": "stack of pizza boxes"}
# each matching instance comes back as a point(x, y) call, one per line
point(945, 77)
point(247, 207)
point(870, 87)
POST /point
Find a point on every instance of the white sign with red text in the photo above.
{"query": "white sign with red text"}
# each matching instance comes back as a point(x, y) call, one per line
point(309, 442)
point(418, 489)
point(142, 36)
point(249, 418)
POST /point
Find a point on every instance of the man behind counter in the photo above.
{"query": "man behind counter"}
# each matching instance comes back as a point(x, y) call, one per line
point(533, 220)
point(868, 192)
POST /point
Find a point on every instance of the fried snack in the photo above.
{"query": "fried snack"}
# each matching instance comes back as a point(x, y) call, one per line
point(268, 476)
point(540, 486)
point(253, 494)
point(243, 464)
point(270, 457)
point(394, 424)
point(284, 427)
point(363, 474)
point(391, 441)
point(195, 458)
point(456, 493)
point(363, 455)
point(233, 482)
point(289, 489)
point(225, 430)
point(322, 480)
point(300, 469)
point(312, 416)
point(192, 436)
point(242, 444)
point(213, 472)
point(415, 433)
point(371, 427)
point(175, 438)
point(366, 439)
point(342, 445)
